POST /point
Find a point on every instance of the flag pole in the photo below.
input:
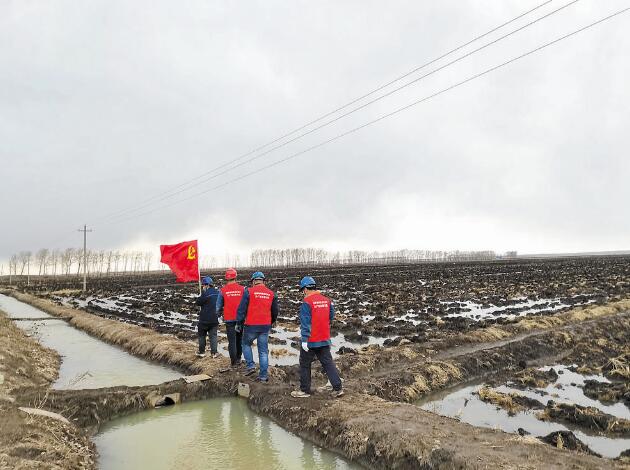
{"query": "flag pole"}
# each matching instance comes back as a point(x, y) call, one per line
point(198, 273)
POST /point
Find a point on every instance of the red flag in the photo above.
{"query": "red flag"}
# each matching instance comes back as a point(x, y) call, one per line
point(182, 259)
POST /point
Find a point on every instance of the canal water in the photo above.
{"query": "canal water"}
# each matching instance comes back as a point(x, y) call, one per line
point(216, 433)
point(85, 361)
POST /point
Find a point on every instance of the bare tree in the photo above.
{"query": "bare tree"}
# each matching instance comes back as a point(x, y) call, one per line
point(117, 257)
point(41, 257)
point(148, 258)
point(67, 258)
point(13, 263)
point(24, 258)
point(53, 260)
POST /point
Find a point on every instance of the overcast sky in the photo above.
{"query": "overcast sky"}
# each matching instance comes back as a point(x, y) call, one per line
point(104, 104)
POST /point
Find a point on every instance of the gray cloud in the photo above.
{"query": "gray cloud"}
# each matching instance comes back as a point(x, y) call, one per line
point(103, 104)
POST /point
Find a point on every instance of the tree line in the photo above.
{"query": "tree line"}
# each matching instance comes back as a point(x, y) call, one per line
point(270, 258)
point(68, 262)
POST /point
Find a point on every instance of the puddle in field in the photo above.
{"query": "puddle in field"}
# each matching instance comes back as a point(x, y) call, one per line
point(521, 308)
point(280, 353)
point(217, 433)
point(85, 361)
point(283, 354)
point(463, 404)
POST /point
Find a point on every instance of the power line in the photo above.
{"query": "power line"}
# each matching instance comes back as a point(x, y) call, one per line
point(189, 184)
point(387, 115)
point(391, 92)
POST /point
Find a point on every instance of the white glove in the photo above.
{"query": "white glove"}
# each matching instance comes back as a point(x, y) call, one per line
point(305, 347)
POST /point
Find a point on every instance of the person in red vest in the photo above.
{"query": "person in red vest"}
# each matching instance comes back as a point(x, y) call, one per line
point(316, 315)
point(230, 296)
point(256, 314)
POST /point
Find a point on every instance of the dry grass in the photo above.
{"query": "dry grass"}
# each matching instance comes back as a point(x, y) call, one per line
point(66, 292)
point(487, 335)
point(499, 399)
point(279, 352)
point(139, 341)
point(619, 366)
point(434, 376)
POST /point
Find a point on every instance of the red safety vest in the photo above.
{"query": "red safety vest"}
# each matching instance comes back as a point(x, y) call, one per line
point(320, 317)
point(259, 309)
point(232, 294)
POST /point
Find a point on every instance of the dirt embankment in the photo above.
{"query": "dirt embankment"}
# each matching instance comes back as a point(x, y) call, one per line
point(32, 441)
point(361, 426)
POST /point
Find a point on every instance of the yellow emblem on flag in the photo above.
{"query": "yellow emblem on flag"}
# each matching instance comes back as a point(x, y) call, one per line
point(192, 253)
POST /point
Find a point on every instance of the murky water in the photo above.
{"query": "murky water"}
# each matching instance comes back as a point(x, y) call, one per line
point(86, 361)
point(463, 404)
point(217, 433)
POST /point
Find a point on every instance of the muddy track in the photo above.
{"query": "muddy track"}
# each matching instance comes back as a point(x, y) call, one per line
point(362, 426)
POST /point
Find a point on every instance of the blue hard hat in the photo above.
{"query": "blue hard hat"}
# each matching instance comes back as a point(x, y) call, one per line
point(258, 275)
point(307, 281)
point(207, 281)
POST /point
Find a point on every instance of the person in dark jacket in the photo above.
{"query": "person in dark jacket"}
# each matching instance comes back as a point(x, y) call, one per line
point(316, 315)
point(208, 318)
point(230, 296)
point(256, 314)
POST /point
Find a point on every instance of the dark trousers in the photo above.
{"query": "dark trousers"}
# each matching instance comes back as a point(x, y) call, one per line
point(209, 329)
point(235, 340)
point(324, 356)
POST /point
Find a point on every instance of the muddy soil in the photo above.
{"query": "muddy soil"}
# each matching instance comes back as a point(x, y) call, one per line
point(363, 426)
point(405, 302)
point(567, 440)
point(587, 417)
point(608, 392)
point(27, 441)
point(442, 325)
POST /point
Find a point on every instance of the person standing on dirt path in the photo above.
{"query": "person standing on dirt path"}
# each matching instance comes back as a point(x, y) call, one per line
point(316, 315)
point(230, 296)
point(256, 315)
point(208, 318)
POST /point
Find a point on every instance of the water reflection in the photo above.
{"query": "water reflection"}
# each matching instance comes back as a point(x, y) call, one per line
point(218, 433)
point(86, 362)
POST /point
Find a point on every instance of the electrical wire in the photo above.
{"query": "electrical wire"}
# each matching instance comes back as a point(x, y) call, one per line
point(388, 115)
point(190, 184)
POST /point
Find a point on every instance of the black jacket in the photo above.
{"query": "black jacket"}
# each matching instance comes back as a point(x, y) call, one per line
point(208, 303)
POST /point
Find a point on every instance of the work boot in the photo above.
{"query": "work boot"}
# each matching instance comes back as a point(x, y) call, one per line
point(300, 394)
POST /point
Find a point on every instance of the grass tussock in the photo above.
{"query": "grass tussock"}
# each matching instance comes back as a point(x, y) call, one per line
point(434, 376)
point(586, 416)
point(487, 335)
point(619, 367)
point(502, 400)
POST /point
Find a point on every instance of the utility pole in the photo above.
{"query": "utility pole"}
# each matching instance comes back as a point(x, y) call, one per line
point(85, 231)
point(28, 271)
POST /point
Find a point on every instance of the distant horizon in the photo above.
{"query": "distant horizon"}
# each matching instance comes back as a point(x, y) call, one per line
point(159, 267)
